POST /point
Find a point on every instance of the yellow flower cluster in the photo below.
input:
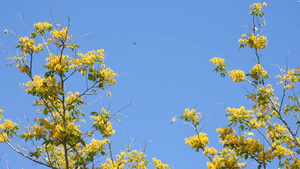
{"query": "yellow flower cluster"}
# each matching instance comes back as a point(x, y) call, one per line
point(27, 46)
point(42, 26)
point(198, 141)
point(237, 75)
point(277, 132)
point(71, 97)
point(243, 146)
point(86, 63)
point(256, 9)
point(281, 151)
point(210, 151)
point(8, 128)
point(23, 69)
point(8, 125)
point(43, 86)
point(217, 61)
point(109, 76)
point(296, 163)
point(238, 115)
point(103, 124)
point(57, 63)
point(254, 41)
point(225, 133)
point(257, 72)
point(289, 78)
point(91, 57)
point(60, 34)
point(133, 159)
point(221, 67)
point(55, 132)
point(3, 136)
point(227, 159)
point(159, 165)
point(61, 132)
point(192, 116)
point(95, 147)
point(266, 90)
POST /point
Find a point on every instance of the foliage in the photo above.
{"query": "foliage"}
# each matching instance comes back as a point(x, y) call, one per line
point(59, 135)
point(268, 132)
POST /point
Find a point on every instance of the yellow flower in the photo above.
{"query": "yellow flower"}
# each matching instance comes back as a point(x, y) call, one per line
point(264, 4)
point(198, 141)
point(3, 137)
point(257, 72)
point(254, 41)
point(237, 75)
point(217, 61)
point(57, 34)
point(159, 165)
point(27, 46)
point(42, 26)
point(23, 69)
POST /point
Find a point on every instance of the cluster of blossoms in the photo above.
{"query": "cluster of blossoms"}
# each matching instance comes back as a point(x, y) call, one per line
point(7, 129)
point(42, 27)
point(44, 87)
point(191, 116)
point(217, 61)
point(239, 115)
point(199, 141)
point(289, 78)
point(256, 9)
point(281, 141)
point(253, 41)
point(60, 139)
point(23, 69)
point(237, 75)
point(226, 159)
point(28, 46)
point(257, 72)
point(135, 159)
point(60, 34)
point(210, 151)
point(94, 148)
point(159, 165)
point(221, 67)
point(57, 63)
point(102, 123)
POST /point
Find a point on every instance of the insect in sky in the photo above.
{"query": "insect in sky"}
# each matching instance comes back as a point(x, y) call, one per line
point(173, 120)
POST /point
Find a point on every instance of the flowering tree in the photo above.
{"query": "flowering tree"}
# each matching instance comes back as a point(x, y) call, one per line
point(268, 132)
point(61, 136)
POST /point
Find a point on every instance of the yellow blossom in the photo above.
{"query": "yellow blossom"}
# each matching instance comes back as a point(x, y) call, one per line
point(159, 165)
point(217, 61)
point(258, 72)
point(237, 75)
point(198, 141)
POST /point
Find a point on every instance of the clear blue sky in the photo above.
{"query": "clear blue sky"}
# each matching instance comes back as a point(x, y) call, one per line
point(168, 69)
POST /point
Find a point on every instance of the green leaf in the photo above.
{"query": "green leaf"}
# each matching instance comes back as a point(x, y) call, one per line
point(45, 111)
point(73, 46)
point(81, 141)
point(103, 153)
point(91, 77)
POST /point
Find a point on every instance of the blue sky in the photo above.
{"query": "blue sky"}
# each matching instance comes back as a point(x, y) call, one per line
point(168, 69)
